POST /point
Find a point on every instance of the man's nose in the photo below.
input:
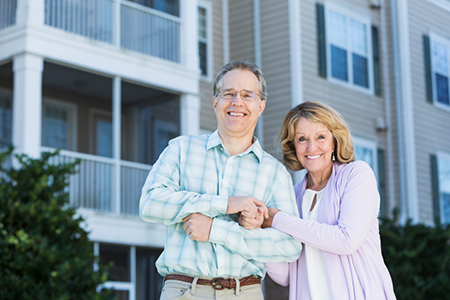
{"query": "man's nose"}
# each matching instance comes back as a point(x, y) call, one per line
point(237, 100)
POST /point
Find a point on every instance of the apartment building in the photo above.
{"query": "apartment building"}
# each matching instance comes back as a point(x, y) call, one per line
point(112, 81)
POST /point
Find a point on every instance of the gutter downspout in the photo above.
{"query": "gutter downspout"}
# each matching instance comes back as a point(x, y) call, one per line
point(295, 53)
point(258, 59)
point(388, 112)
point(409, 206)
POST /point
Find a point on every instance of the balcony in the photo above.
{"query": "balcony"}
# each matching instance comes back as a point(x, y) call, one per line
point(121, 23)
point(78, 117)
point(96, 185)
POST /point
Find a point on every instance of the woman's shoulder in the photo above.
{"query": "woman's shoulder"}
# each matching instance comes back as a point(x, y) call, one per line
point(355, 168)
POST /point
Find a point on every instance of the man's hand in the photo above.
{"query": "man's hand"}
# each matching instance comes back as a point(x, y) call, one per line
point(248, 204)
point(247, 220)
point(198, 227)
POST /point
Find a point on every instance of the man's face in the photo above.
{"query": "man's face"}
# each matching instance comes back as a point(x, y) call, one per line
point(238, 117)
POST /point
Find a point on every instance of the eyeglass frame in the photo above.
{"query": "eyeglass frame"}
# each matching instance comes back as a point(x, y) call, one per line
point(219, 94)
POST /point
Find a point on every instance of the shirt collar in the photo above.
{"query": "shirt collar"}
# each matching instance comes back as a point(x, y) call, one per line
point(214, 141)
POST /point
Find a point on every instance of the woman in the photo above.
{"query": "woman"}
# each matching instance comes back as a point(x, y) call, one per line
point(338, 203)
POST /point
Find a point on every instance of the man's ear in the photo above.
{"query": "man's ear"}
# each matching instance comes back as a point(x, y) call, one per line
point(262, 106)
point(214, 101)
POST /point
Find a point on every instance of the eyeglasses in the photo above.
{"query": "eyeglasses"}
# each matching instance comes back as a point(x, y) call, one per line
point(231, 94)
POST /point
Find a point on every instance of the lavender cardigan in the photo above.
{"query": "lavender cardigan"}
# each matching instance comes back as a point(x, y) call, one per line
point(346, 231)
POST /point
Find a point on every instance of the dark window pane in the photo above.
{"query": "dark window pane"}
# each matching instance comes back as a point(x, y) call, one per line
point(339, 63)
point(446, 204)
point(202, 57)
point(5, 121)
point(148, 281)
point(120, 255)
point(360, 72)
point(442, 89)
point(121, 295)
point(168, 6)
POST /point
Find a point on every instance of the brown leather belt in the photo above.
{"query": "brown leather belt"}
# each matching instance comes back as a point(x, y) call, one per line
point(218, 283)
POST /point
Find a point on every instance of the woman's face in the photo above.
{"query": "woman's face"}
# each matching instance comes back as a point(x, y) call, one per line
point(314, 145)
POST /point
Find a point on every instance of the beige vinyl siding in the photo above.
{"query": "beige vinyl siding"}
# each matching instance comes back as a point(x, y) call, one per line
point(359, 109)
point(432, 124)
point(207, 117)
point(241, 29)
point(276, 68)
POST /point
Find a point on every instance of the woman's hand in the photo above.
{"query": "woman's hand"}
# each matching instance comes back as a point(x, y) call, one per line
point(250, 221)
point(268, 221)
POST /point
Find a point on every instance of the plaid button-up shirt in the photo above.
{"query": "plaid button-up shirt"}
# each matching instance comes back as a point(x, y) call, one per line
point(196, 174)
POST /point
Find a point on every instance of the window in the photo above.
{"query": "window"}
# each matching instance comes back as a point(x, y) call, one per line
point(204, 32)
point(366, 150)
point(443, 186)
point(101, 137)
point(168, 6)
point(5, 119)
point(440, 76)
point(134, 275)
point(348, 49)
point(58, 125)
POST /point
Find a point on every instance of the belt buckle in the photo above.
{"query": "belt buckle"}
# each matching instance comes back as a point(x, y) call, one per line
point(218, 284)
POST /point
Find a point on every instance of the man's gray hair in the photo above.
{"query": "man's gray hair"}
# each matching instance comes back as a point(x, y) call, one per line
point(245, 66)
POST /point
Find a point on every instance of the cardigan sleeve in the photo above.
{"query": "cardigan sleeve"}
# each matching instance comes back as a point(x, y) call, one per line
point(358, 210)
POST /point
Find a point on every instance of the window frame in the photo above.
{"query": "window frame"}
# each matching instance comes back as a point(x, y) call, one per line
point(72, 117)
point(130, 286)
point(441, 155)
point(372, 145)
point(446, 42)
point(208, 40)
point(366, 20)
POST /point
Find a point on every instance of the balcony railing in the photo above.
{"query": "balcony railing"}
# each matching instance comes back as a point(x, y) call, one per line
point(7, 13)
point(94, 184)
point(122, 23)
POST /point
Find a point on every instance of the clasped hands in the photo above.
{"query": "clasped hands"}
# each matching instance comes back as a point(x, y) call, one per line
point(253, 214)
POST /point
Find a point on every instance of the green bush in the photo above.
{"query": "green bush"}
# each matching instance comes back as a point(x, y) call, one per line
point(44, 251)
point(417, 257)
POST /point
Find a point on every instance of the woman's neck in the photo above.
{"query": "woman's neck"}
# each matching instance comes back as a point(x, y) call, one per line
point(317, 182)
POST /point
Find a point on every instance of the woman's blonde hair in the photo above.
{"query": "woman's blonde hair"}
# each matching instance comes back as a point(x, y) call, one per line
point(316, 112)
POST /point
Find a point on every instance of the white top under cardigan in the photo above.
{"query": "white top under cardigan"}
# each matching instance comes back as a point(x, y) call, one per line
point(317, 274)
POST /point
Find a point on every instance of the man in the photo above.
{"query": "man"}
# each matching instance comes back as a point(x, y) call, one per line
point(200, 184)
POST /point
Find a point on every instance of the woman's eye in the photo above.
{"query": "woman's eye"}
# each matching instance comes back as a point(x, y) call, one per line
point(321, 137)
point(302, 139)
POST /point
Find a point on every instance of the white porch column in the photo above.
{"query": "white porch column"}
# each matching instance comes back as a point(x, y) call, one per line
point(117, 112)
point(190, 114)
point(27, 103)
point(189, 34)
point(30, 12)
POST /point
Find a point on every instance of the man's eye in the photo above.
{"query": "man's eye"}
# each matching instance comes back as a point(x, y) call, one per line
point(228, 93)
point(247, 96)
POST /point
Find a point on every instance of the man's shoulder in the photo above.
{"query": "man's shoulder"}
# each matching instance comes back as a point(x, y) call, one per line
point(271, 161)
point(184, 140)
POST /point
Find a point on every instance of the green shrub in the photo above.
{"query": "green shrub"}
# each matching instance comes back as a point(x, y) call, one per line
point(417, 257)
point(44, 251)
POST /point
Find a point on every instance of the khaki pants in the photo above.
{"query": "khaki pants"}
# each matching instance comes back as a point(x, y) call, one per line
point(174, 290)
